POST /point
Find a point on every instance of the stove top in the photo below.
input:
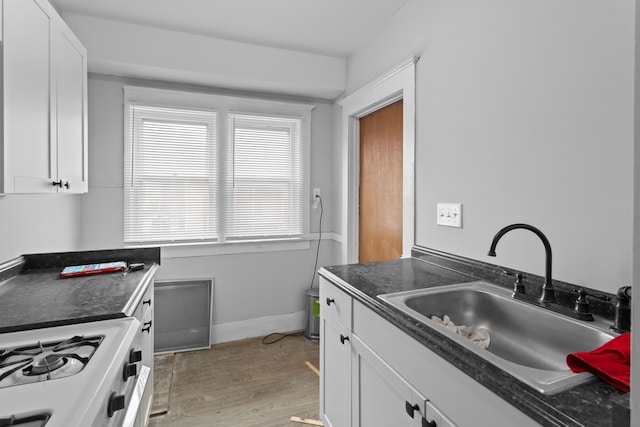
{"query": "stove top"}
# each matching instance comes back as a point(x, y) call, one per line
point(43, 361)
point(63, 376)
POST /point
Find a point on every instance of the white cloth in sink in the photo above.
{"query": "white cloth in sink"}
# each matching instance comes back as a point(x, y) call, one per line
point(479, 336)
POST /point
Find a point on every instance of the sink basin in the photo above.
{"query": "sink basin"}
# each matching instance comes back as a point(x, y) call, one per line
point(529, 342)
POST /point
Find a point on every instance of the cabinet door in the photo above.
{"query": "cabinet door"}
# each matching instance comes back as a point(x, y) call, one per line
point(147, 360)
point(144, 313)
point(29, 164)
point(335, 372)
point(69, 129)
point(381, 398)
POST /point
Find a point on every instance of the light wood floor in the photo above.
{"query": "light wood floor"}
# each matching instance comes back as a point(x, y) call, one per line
point(244, 383)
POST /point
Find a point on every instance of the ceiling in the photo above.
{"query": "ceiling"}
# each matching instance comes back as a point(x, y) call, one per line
point(327, 27)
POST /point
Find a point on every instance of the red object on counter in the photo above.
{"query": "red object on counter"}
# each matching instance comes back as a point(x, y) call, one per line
point(610, 362)
point(83, 270)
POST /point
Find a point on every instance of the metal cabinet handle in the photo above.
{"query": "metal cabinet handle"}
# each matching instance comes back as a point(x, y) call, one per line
point(343, 338)
point(147, 301)
point(411, 408)
point(147, 327)
point(60, 184)
point(330, 300)
point(426, 423)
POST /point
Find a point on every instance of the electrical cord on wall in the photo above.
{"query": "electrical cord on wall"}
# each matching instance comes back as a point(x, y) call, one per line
point(266, 340)
point(315, 267)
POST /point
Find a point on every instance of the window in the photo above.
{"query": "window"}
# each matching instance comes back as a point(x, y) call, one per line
point(264, 177)
point(208, 168)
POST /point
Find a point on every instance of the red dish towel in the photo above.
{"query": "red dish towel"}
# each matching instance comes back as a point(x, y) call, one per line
point(611, 361)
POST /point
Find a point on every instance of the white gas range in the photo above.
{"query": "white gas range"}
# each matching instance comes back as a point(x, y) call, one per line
point(86, 374)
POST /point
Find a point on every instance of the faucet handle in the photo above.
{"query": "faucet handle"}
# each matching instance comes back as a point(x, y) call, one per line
point(622, 319)
point(624, 292)
point(582, 294)
point(581, 305)
point(518, 286)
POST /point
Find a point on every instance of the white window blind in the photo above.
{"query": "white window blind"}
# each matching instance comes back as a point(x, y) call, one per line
point(171, 179)
point(264, 185)
point(210, 173)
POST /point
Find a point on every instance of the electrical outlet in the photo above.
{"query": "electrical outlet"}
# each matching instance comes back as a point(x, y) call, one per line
point(449, 214)
point(316, 198)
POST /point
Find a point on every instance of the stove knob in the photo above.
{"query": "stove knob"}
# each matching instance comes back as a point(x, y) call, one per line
point(129, 371)
point(116, 403)
point(135, 356)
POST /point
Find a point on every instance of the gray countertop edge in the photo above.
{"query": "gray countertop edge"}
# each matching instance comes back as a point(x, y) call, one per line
point(579, 406)
point(63, 322)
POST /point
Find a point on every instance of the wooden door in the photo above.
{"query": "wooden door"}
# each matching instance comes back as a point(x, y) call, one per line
point(380, 209)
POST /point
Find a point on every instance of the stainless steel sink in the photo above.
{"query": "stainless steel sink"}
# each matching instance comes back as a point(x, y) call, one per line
point(529, 342)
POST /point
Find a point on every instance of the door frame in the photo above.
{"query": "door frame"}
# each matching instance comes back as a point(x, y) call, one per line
point(396, 84)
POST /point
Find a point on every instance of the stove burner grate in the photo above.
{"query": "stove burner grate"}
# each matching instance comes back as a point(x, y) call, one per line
point(13, 367)
point(64, 358)
point(34, 420)
point(46, 364)
point(32, 350)
point(77, 341)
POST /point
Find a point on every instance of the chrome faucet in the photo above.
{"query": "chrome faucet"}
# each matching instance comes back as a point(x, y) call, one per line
point(548, 293)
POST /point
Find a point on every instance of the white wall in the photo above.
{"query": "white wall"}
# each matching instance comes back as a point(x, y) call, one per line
point(119, 48)
point(31, 223)
point(253, 291)
point(524, 114)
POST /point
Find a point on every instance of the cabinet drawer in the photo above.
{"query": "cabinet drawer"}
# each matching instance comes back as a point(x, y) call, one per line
point(335, 303)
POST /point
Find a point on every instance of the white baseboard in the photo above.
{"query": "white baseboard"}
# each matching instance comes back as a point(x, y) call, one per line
point(258, 327)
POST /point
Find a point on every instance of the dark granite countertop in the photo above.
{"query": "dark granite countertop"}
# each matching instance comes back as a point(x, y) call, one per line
point(32, 294)
point(588, 404)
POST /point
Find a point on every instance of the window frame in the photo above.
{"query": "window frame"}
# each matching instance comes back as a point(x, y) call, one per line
point(223, 105)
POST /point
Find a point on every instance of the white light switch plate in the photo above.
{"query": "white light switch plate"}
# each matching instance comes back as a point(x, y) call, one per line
point(449, 214)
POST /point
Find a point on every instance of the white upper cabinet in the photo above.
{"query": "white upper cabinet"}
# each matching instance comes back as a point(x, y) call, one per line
point(44, 110)
point(69, 95)
point(26, 96)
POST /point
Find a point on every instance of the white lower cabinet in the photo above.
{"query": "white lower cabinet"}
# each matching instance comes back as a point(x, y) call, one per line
point(374, 374)
point(381, 396)
point(335, 360)
point(336, 363)
point(144, 314)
